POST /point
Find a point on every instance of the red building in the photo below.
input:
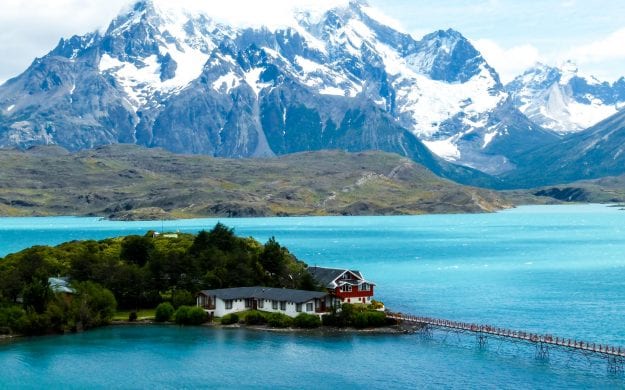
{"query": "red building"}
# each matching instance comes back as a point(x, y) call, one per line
point(344, 286)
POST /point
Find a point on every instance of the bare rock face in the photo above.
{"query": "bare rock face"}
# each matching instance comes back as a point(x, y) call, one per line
point(161, 76)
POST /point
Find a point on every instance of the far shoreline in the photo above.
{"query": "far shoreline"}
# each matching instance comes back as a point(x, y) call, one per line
point(614, 205)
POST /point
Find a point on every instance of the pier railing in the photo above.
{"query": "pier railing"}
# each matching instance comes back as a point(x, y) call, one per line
point(542, 339)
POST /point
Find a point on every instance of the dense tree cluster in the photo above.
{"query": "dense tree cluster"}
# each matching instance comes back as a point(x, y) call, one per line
point(136, 272)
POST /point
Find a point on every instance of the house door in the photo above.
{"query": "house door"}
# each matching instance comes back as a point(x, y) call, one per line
point(254, 304)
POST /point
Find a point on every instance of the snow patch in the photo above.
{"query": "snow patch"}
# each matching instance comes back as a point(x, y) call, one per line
point(309, 66)
point(252, 78)
point(332, 91)
point(228, 82)
point(444, 148)
point(488, 138)
point(10, 108)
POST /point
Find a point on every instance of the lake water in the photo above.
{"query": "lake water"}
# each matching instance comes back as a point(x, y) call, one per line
point(548, 269)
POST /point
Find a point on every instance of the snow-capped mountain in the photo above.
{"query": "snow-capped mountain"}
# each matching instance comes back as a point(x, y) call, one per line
point(164, 76)
point(565, 100)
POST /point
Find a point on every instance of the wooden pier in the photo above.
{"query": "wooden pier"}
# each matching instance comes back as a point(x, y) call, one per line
point(614, 355)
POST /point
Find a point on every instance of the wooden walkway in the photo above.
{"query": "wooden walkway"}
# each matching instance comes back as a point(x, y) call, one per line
point(538, 339)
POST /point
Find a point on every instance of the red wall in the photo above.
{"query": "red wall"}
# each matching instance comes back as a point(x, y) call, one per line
point(354, 293)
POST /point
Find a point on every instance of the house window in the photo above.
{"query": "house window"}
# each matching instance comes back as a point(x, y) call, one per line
point(228, 303)
point(248, 303)
point(345, 276)
point(346, 288)
point(282, 305)
point(298, 307)
point(309, 307)
point(274, 305)
point(365, 287)
point(261, 303)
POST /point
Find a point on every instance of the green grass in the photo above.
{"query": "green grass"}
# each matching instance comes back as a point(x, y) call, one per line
point(143, 314)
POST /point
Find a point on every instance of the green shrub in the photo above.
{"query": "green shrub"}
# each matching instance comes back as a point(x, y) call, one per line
point(360, 320)
point(229, 319)
point(33, 323)
point(329, 320)
point(186, 315)
point(368, 319)
point(279, 320)
point(255, 317)
point(307, 321)
point(197, 316)
point(163, 312)
point(9, 316)
point(376, 304)
point(376, 319)
point(181, 316)
point(132, 317)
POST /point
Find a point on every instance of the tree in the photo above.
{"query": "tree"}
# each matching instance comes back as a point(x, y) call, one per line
point(222, 237)
point(273, 258)
point(201, 243)
point(93, 305)
point(182, 298)
point(136, 249)
point(36, 295)
point(307, 282)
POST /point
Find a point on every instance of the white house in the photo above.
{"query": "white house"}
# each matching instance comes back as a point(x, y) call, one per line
point(280, 300)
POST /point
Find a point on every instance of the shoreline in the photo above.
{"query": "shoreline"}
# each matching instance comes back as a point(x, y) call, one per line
point(264, 328)
point(620, 206)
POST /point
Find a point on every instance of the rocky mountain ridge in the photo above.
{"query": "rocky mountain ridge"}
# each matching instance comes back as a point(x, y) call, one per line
point(160, 76)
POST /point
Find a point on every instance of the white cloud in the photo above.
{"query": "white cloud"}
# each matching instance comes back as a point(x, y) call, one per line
point(608, 48)
point(272, 14)
point(31, 28)
point(508, 62)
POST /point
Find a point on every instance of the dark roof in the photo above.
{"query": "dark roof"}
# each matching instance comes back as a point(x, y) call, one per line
point(276, 294)
point(325, 276)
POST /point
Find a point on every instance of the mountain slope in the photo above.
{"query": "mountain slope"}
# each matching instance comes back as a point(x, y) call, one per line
point(129, 182)
point(596, 152)
point(163, 76)
point(564, 100)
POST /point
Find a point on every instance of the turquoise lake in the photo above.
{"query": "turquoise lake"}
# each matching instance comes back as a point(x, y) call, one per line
point(547, 269)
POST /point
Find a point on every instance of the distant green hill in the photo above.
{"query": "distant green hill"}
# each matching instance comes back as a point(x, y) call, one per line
point(129, 182)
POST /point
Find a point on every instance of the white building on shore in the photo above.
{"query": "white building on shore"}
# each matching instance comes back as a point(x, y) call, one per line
point(224, 301)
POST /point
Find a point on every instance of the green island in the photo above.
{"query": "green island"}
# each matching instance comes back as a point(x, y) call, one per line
point(154, 278)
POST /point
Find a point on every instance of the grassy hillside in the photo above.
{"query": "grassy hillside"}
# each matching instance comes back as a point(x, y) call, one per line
point(128, 182)
point(604, 190)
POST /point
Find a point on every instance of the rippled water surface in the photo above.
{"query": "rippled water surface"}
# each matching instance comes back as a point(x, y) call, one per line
point(555, 269)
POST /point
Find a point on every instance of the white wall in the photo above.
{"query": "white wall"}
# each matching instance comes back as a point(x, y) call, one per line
point(239, 305)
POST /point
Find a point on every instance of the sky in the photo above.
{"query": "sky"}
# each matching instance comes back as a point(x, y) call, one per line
point(511, 34)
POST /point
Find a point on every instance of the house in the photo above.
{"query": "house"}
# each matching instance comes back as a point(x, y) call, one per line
point(344, 286)
point(277, 300)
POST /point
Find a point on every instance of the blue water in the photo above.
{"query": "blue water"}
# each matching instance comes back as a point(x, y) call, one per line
point(556, 269)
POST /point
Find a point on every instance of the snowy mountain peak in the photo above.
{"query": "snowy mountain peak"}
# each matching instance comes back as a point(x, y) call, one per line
point(447, 55)
point(563, 98)
point(336, 74)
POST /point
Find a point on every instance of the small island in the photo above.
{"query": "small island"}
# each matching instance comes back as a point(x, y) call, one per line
point(213, 277)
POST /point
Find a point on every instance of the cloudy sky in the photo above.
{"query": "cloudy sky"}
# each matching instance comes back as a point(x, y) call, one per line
point(511, 34)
